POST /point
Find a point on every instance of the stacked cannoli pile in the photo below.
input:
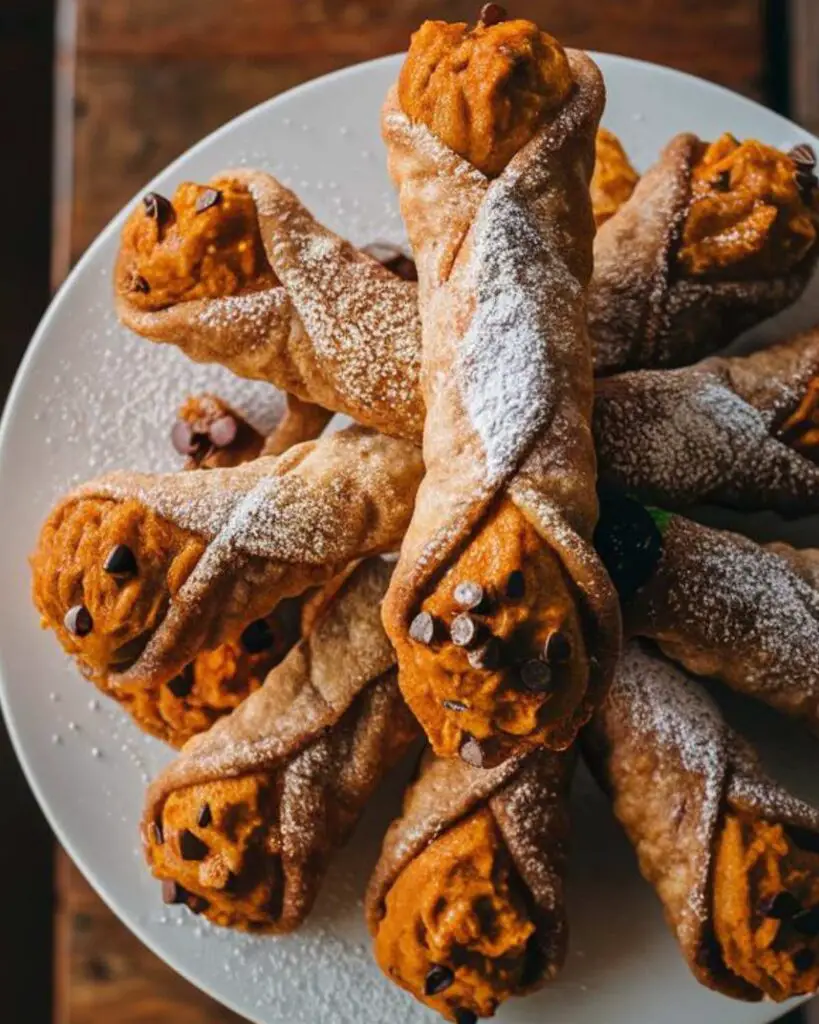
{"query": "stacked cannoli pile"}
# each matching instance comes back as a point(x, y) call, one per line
point(535, 399)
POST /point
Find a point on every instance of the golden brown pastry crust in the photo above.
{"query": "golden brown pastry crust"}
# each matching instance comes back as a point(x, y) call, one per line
point(766, 895)
point(525, 669)
point(483, 91)
point(203, 243)
point(614, 178)
point(749, 216)
point(461, 902)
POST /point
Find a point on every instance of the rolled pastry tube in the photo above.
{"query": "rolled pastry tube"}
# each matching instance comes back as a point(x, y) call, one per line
point(242, 825)
point(212, 552)
point(466, 904)
point(738, 431)
point(504, 622)
point(732, 855)
point(714, 239)
point(719, 604)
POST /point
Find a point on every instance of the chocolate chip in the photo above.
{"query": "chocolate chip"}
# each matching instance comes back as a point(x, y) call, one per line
point(806, 182)
point(204, 201)
point(157, 834)
point(469, 595)
point(807, 922)
point(557, 648)
point(487, 656)
point(121, 561)
point(139, 284)
point(722, 182)
point(437, 980)
point(223, 431)
point(205, 817)
point(172, 892)
point(422, 628)
point(454, 705)
point(781, 907)
point(536, 675)
point(191, 846)
point(804, 959)
point(183, 438)
point(491, 14)
point(197, 904)
point(181, 685)
point(629, 543)
point(471, 752)
point(78, 620)
point(464, 630)
point(805, 838)
point(258, 637)
point(157, 207)
point(393, 259)
point(803, 156)
point(462, 1015)
point(516, 585)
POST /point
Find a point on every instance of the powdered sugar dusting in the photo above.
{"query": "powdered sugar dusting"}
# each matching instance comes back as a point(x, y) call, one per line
point(678, 437)
point(504, 364)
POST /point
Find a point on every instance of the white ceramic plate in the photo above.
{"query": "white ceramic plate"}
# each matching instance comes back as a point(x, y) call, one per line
point(90, 397)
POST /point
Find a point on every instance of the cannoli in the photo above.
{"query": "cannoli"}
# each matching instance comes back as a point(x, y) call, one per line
point(733, 856)
point(741, 431)
point(241, 826)
point(718, 603)
point(466, 904)
point(714, 239)
point(202, 556)
point(504, 622)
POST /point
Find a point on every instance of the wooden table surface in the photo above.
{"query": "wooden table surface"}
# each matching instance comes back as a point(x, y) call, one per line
point(138, 82)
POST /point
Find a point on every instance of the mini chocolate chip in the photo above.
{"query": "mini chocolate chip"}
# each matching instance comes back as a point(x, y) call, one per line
point(805, 838)
point(491, 14)
point(139, 284)
point(223, 431)
point(806, 182)
point(157, 207)
point(471, 752)
point(191, 846)
point(422, 628)
point(782, 906)
point(722, 182)
point(78, 620)
point(121, 561)
point(205, 816)
point(803, 156)
point(464, 630)
point(393, 259)
point(197, 904)
point(157, 834)
point(437, 980)
point(462, 1015)
point(183, 438)
point(204, 201)
point(536, 675)
point(454, 705)
point(516, 585)
point(258, 637)
point(557, 648)
point(629, 543)
point(172, 892)
point(807, 922)
point(487, 656)
point(469, 595)
point(181, 685)
point(804, 959)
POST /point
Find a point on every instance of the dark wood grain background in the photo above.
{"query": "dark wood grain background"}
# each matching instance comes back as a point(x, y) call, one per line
point(138, 81)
